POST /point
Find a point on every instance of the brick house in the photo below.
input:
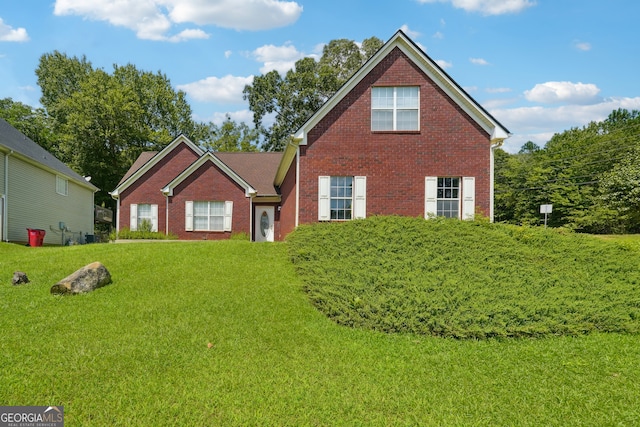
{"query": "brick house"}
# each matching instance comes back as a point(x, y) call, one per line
point(399, 138)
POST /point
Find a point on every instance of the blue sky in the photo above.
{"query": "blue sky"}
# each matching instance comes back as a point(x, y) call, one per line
point(539, 66)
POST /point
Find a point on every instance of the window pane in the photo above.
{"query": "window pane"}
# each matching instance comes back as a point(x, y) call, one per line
point(407, 97)
point(382, 97)
point(201, 223)
point(217, 208)
point(407, 120)
point(200, 208)
point(217, 223)
point(382, 120)
point(144, 211)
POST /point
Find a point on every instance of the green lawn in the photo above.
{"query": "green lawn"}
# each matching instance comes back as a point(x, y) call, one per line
point(136, 353)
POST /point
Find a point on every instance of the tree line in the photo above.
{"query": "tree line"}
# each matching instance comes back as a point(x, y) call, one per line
point(99, 122)
point(590, 175)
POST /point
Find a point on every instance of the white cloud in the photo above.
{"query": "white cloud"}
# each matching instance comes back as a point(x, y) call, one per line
point(498, 90)
point(444, 64)
point(153, 19)
point(279, 58)
point(241, 116)
point(478, 61)
point(539, 123)
point(188, 35)
point(412, 34)
point(225, 90)
point(563, 92)
point(583, 46)
point(487, 7)
point(10, 34)
point(236, 14)
point(438, 35)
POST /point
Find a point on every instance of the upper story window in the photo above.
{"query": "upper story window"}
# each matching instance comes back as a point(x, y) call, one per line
point(395, 108)
point(62, 186)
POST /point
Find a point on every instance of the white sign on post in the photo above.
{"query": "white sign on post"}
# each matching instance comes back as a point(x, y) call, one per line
point(546, 210)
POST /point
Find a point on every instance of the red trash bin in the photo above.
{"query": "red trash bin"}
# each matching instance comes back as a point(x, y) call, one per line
point(36, 236)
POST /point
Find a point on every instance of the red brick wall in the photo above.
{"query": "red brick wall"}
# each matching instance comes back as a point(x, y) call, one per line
point(147, 188)
point(287, 218)
point(449, 143)
point(208, 183)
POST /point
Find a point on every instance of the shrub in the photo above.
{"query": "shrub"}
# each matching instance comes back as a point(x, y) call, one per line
point(239, 235)
point(467, 279)
point(127, 234)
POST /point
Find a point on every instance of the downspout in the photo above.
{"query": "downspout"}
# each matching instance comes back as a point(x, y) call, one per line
point(117, 216)
point(251, 224)
point(166, 215)
point(5, 215)
point(297, 185)
point(495, 145)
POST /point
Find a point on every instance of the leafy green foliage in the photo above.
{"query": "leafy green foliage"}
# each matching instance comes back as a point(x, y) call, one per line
point(144, 233)
point(104, 121)
point(33, 122)
point(464, 279)
point(231, 136)
point(293, 98)
point(588, 175)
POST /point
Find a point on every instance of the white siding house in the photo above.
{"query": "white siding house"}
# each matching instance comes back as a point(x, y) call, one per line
point(38, 191)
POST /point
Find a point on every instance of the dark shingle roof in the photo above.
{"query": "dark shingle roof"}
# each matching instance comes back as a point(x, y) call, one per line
point(16, 141)
point(142, 159)
point(258, 169)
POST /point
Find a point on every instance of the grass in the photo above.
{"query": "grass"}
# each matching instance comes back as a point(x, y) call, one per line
point(135, 353)
point(465, 279)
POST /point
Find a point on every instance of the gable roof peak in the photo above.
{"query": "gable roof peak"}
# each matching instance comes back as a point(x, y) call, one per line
point(432, 70)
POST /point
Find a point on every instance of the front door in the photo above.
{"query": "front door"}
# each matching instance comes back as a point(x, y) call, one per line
point(263, 223)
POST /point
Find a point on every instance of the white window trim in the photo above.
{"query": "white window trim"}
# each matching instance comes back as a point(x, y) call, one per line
point(467, 198)
point(227, 221)
point(358, 206)
point(133, 216)
point(395, 109)
point(61, 181)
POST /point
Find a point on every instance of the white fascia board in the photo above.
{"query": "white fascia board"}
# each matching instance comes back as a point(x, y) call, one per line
point(155, 160)
point(288, 155)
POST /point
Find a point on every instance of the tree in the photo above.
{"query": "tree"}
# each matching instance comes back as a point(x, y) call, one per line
point(104, 121)
point(231, 136)
point(620, 192)
point(589, 174)
point(34, 123)
point(292, 99)
point(529, 147)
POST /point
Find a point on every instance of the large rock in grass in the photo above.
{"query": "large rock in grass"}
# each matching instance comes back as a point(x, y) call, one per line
point(87, 279)
point(19, 278)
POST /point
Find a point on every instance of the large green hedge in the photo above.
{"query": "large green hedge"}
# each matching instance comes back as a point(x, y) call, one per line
point(467, 279)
